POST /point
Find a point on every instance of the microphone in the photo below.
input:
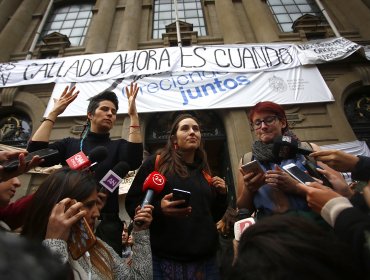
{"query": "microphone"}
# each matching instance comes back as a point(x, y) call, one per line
point(80, 161)
point(154, 183)
point(285, 147)
point(245, 221)
point(114, 177)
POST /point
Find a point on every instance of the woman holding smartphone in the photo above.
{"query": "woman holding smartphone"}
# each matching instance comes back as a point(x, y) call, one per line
point(60, 202)
point(184, 238)
point(272, 191)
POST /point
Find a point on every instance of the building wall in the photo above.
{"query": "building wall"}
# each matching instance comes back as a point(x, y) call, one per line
point(127, 24)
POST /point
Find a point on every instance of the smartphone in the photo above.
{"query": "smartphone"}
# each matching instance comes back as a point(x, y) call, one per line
point(298, 173)
point(181, 195)
point(81, 239)
point(253, 166)
point(11, 165)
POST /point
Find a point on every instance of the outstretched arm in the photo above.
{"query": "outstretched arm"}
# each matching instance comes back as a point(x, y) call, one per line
point(44, 131)
point(134, 131)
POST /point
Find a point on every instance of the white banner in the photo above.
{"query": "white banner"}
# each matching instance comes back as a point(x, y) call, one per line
point(206, 90)
point(222, 58)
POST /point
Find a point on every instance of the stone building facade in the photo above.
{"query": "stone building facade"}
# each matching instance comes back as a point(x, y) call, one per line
point(119, 25)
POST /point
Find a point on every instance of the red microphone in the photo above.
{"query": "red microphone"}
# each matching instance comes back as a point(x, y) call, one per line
point(80, 161)
point(154, 183)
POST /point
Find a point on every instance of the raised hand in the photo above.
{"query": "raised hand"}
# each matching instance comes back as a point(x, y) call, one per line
point(131, 93)
point(67, 97)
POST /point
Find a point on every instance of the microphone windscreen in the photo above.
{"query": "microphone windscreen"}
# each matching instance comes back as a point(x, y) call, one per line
point(98, 154)
point(284, 147)
point(155, 181)
point(121, 168)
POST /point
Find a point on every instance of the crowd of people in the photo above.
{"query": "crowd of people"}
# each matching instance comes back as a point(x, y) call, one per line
point(70, 228)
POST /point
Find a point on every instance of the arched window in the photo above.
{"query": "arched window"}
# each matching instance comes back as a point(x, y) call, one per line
point(189, 11)
point(287, 11)
point(70, 20)
point(357, 109)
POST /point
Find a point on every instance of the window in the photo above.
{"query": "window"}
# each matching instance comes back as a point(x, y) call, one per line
point(189, 11)
point(72, 21)
point(287, 11)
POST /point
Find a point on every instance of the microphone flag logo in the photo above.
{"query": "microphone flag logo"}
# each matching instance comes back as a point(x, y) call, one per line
point(111, 181)
point(158, 179)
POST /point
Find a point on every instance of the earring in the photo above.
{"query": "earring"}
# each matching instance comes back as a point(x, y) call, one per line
point(175, 146)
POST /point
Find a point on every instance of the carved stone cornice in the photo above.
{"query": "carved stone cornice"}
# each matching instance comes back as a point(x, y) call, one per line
point(7, 96)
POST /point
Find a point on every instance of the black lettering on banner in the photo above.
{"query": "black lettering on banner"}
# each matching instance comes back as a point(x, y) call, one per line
point(60, 67)
point(80, 73)
point(26, 70)
point(42, 69)
point(4, 78)
point(118, 63)
point(273, 55)
point(247, 55)
point(165, 56)
point(50, 75)
point(257, 54)
point(198, 55)
point(73, 66)
point(144, 60)
point(239, 56)
point(126, 62)
point(100, 65)
point(151, 57)
point(182, 56)
point(284, 53)
point(216, 60)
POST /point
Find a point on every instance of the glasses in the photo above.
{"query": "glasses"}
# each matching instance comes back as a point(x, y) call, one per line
point(267, 121)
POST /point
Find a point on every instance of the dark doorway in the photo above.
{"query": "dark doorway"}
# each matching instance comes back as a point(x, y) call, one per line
point(357, 109)
point(213, 135)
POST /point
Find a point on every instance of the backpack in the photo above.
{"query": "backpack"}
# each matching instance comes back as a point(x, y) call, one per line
point(206, 176)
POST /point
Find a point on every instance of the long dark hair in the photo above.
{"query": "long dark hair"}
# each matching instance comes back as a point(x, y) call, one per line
point(171, 159)
point(61, 184)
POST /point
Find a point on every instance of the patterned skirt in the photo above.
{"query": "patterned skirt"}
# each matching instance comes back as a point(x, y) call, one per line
point(165, 269)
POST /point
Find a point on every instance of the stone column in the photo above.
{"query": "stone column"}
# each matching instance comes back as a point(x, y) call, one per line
point(239, 138)
point(16, 28)
point(229, 24)
point(7, 8)
point(101, 25)
point(262, 21)
point(129, 35)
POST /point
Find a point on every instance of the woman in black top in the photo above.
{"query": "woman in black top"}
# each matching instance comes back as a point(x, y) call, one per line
point(101, 116)
point(184, 240)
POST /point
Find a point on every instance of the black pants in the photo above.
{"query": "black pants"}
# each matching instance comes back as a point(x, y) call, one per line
point(110, 231)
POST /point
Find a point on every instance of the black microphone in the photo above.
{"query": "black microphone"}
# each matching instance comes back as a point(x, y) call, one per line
point(114, 177)
point(285, 147)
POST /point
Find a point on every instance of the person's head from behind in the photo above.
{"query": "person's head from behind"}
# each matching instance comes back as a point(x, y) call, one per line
point(283, 247)
point(7, 190)
point(63, 183)
point(226, 225)
point(23, 259)
point(268, 120)
point(185, 139)
point(102, 111)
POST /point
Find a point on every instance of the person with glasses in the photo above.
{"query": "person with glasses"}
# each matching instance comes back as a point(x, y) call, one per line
point(273, 191)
